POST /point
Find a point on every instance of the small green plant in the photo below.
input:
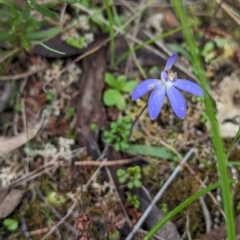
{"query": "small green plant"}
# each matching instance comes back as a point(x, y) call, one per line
point(77, 42)
point(204, 117)
point(71, 112)
point(93, 127)
point(132, 176)
point(133, 200)
point(10, 224)
point(19, 27)
point(50, 95)
point(114, 235)
point(114, 96)
point(119, 133)
point(55, 199)
point(164, 208)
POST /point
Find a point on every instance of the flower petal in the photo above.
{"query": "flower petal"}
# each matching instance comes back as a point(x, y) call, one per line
point(171, 60)
point(144, 87)
point(188, 86)
point(164, 76)
point(177, 102)
point(155, 101)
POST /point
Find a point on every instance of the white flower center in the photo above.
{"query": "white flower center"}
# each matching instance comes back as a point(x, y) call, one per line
point(168, 84)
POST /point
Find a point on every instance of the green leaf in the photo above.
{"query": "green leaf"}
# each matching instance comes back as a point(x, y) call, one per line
point(32, 3)
point(123, 179)
point(153, 151)
point(3, 35)
point(121, 78)
point(5, 13)
point(25, 42)
point(108, 140)
point(137, 183)
point(208, 47)
point(49, 33)
point(121, 172)
point(124, 145)
point(70, 1)
point(127, 119)
point(111, 97)
point(77, 42)
point(26, 13)
point(130, 185)
point(178, 49)
point(45, 11)
point(129, 86)
point(106, 134)
point(110, 80)
point(117, 147)
point(10, 224)
point(114, 125)
point(121, 104)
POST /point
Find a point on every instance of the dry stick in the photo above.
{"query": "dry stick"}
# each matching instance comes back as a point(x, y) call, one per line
point(62, 220)
point(206, 214)
point(106, 164)
point(187, 227)
point(230, 12)
point(62, 13)
point(22, 75)
point(160, 193)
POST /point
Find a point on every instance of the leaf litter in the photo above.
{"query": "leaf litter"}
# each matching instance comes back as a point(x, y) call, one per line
point(42, 157)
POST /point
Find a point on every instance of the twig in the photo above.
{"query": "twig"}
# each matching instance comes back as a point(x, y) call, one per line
point(230, 11)
point(187, 227)
point(206, 214)
point(136, 119)
point(22, 75)
point(104, 163)
point(63, 9)
point(160, 193)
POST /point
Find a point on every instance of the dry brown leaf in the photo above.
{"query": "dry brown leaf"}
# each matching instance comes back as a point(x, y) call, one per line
point(10, 202)
point(228, 106)
point(8, 144)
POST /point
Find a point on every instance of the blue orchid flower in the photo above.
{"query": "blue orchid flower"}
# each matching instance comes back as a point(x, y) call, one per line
point(169, 83)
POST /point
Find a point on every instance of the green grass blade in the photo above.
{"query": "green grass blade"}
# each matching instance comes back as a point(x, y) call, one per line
point(50, 49)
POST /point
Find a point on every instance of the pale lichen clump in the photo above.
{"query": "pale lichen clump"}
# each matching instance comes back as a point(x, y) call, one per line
point(7, 174)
